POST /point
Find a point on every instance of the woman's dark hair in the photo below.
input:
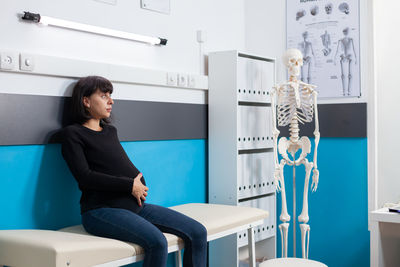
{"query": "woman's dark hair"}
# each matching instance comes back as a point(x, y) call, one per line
point(85, 87)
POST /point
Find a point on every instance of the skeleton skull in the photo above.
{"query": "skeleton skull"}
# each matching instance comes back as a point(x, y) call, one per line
point(328, 8)
point(300, 14)
point(293, 60)
point(344, 7)
point(314, 10)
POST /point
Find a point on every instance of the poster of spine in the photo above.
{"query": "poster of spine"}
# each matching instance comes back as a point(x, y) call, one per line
point(327, 33)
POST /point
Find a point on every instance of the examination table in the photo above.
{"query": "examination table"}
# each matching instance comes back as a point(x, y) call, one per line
point(73, 247)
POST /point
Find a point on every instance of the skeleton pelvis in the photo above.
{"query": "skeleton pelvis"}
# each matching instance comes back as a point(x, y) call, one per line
point(286, 146)
point(293, 147)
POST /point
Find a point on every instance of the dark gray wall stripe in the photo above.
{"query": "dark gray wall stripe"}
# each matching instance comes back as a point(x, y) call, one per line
point(336, 120)
point(142, 120)
point(34, 119)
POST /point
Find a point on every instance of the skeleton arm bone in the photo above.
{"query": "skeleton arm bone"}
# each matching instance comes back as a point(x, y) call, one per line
point(312, 52)
point(315, 177)
point(354, 51)
point(275, 132)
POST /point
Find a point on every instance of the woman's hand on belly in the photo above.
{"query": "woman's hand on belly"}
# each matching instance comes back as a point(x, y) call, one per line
point(139, 191)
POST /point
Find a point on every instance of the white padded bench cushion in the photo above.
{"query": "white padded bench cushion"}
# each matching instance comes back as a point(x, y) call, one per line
point(43, 248)
point(218, 218)
point(134, 249)
point(291, 262)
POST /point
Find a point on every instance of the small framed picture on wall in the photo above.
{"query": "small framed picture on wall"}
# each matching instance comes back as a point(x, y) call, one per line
point(162, 6)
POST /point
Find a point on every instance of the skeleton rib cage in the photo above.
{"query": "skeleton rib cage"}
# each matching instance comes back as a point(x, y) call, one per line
point(287, 108)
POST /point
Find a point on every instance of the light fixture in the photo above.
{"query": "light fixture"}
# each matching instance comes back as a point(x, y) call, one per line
point(37, 18)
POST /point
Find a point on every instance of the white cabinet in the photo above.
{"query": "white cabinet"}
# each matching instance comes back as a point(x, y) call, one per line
point(241, 149)
point(255, 175)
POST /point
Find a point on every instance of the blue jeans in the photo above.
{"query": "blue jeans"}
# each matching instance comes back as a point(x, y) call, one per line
point(145, 229)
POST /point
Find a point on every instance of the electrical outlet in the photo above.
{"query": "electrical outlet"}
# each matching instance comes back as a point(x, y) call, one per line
point(26, 62)
point(191, 81)
point(182, 80)
point(8, 60)
point(172, 79)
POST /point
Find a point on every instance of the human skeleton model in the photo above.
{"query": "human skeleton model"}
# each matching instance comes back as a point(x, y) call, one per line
point(347, 56)
point(296, 102)
point(308, 55)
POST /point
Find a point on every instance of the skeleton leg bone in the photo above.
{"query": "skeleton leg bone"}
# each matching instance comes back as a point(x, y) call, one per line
point(305, 237)
point(284, 228)
point(303, 217)
point(349, 82)
point(343, 76)
point(302, 73)
point(284, 217)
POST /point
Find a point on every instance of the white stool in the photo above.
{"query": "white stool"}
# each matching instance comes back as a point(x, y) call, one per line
point(291, 262)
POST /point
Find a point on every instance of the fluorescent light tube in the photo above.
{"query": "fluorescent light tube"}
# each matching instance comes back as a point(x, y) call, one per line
point(92, 29)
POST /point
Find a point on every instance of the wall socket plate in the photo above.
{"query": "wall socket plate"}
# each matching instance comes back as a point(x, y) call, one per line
point(26, 62)
point(182, 80)
point(172, 79)
point(191, 81)
point(8, 60)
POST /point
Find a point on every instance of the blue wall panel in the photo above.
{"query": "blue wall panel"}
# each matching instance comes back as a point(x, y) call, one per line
point(37, 189)
point(338, 210)
point(175, 171)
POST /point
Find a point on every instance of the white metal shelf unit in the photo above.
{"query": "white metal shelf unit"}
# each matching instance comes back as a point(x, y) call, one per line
point(241, 147)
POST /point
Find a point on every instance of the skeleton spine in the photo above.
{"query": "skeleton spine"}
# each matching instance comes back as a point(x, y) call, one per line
point(294, 128)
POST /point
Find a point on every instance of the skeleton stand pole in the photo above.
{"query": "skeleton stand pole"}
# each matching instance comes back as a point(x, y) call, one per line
point(294, 207)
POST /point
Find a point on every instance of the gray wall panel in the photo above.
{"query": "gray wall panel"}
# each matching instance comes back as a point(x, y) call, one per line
point(140, 120)
point(336, 120)
point(35, 119)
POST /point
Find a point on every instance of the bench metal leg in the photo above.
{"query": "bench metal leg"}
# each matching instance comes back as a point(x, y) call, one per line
point(178, 258)
point(251, 246)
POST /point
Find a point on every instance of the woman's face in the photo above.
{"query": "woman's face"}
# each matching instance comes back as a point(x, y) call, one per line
point(99, 104)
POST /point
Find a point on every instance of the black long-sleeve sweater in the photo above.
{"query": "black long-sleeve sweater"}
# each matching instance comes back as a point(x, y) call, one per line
point(101, 167)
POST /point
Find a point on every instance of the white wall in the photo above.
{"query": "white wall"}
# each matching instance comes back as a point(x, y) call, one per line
point(387, 41)
point(222, 21)
point(265, 31)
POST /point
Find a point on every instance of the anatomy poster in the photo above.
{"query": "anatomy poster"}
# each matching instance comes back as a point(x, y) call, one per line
point(327, 33)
